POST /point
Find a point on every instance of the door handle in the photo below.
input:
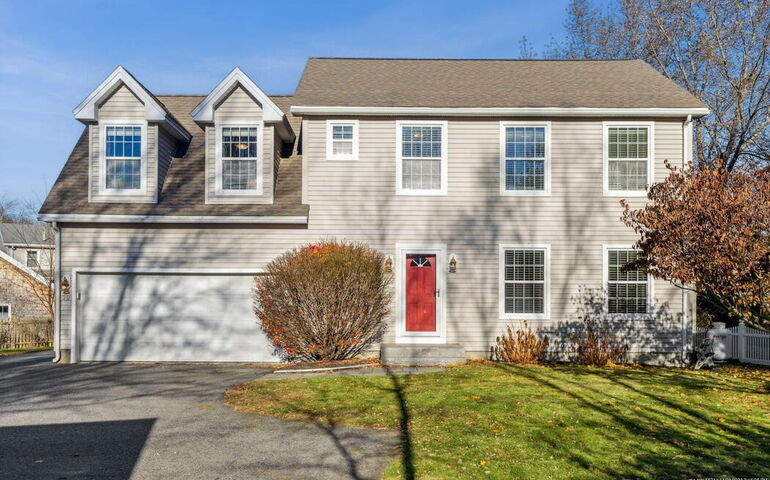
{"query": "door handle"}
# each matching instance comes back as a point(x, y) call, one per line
point(437, 292)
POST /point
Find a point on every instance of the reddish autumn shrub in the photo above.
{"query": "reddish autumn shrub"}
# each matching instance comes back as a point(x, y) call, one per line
point(325, 301)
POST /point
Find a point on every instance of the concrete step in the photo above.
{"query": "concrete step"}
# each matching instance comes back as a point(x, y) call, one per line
point(422, 354)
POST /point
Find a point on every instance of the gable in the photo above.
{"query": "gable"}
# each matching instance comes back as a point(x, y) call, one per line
point(123, 104)
point(238, 104)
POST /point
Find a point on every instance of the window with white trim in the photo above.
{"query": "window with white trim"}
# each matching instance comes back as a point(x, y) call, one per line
point(524, 282)
point(5, 312)
point(239, 157)
point(627, 288)
point(341, 140)
point(33, 257)
point(123, 157)
point(524, 154)
point(422, 158)
point(628, 158)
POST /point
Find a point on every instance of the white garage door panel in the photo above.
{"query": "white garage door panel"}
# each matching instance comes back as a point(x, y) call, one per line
point(194, 318)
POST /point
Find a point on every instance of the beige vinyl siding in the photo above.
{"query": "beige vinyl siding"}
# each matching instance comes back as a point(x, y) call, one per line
point(166, 150)
point(356, 201)
point(121, 106)
point(239, 106)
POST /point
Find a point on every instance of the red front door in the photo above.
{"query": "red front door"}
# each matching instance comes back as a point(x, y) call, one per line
point(421, 293)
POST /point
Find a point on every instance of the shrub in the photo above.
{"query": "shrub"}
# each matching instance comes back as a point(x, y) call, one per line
point(596, 342)
point(325, 301)
point(522, 347)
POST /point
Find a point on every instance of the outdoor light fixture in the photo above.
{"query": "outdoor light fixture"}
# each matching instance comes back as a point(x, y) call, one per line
point(453, 264)
point(65, 286)
point(389, 264)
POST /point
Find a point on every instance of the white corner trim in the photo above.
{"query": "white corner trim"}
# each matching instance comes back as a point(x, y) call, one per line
point(330, 155)
point(444, 190)
point(605, 279)
point(501, 111)
point(547, 159)
point(87, 110)
point(39, 278)
point(86, 218)
point(142, 190)
point(439, 336)
point(546, 315)
point(204, 112)
point(606, 158)
point(218, 190)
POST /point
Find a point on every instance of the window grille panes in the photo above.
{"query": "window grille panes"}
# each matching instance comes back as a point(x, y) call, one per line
point(123, 157)
point(525, 158)
point(628, 152)
point(239, 158)
point(342, 140)
point(626, 287)
point(421, 152)
point(32, 259)
point(524, 281)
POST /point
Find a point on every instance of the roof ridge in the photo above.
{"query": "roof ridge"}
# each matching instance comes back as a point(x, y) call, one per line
point(486, 59)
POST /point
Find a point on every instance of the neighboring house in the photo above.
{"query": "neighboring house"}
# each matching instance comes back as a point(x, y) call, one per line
point(32, 245)
point(23, 292)
point(492, 185)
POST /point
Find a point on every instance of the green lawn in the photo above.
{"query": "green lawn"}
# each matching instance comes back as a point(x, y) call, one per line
point(17, 351)
point(504, 421)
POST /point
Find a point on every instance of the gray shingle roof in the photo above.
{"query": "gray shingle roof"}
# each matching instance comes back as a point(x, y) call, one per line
point(183, 189)
point(488, 83)
point(24, 234)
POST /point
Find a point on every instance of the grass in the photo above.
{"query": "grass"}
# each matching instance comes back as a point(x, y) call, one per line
point(505, 421)
point(18, 351)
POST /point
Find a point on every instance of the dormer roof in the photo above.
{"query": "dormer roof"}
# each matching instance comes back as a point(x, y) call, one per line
point(154, 110)
point(204, 112)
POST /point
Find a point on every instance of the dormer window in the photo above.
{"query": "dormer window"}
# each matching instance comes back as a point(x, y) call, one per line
point(239, 167)
point(124, 153)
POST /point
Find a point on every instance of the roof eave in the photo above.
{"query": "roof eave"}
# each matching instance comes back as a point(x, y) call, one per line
point(501, 111)
point(86, 218)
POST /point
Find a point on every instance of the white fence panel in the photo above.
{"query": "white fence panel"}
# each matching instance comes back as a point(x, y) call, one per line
point(745, 344)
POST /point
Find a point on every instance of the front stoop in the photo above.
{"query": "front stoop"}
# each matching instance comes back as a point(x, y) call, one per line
point(421, 355)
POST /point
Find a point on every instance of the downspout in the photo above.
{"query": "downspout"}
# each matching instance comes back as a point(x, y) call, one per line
point(686, 158)
point(57, 293)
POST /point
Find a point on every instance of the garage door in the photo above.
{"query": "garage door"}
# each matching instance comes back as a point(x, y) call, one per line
point(167, 318)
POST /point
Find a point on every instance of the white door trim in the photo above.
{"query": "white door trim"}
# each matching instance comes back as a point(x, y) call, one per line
point(439, 336)
point(75, 324)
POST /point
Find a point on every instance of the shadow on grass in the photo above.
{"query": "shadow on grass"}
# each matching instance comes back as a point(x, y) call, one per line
point(702, 443)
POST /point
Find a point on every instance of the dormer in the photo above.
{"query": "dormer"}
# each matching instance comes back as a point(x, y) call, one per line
point(128, 127)
point(244, 131)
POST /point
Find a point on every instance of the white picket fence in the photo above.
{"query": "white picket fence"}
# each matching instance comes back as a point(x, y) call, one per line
point(745, 344)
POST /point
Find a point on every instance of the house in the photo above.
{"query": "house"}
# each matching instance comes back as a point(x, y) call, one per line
point(24, 290)
point(32, 245)
point(493, 184)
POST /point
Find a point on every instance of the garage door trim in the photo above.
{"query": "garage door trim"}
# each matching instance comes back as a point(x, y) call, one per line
point(74, 331)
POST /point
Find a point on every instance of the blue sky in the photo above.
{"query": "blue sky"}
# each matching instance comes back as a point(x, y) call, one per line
point(52, 54)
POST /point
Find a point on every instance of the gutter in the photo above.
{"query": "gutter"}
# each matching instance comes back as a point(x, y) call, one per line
point(84, 218)
point(501, 111)
point(57, 293)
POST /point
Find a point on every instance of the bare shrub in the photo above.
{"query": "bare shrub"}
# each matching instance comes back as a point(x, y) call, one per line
point(325, 301)
point(595, 343)
point(523, 347)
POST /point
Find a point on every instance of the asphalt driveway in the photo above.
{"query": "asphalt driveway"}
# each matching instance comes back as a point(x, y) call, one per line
point(147, 421)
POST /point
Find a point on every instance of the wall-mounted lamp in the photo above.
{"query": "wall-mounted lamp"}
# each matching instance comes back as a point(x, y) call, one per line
point(65, 286)
point(453, 264)
point(389, 264)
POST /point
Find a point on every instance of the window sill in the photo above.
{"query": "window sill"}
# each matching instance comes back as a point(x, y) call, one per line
point(422, 193)
point(625, 193)
point(525, 316)
point(342, 159)
point(525, 193)
point(133, 191)
point(239, 193)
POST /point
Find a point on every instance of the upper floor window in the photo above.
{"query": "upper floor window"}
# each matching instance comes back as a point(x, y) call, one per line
point(342, 139)
point(524, 273)
point(123, 157)
point(525, 150)
point(33, 258)
point(422, 161)
point(628, 158)
point(628, 289)
point(239, 169)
